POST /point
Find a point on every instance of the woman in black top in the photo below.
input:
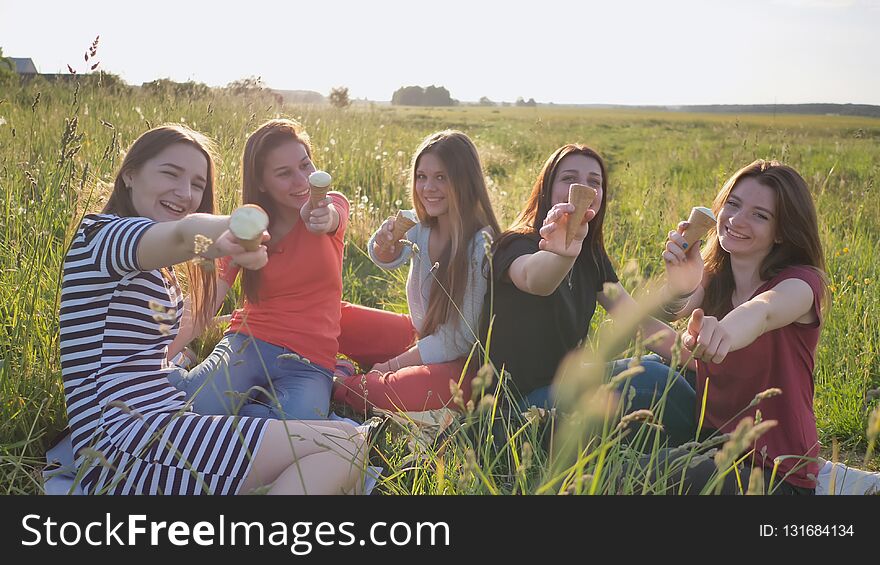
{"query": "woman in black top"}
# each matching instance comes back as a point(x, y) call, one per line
point(545, 292)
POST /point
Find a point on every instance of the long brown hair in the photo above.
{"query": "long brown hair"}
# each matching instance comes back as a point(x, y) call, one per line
point(267, 137)
point(469, 211)
point(796, 226)
point(530, 220)
point(200, 282)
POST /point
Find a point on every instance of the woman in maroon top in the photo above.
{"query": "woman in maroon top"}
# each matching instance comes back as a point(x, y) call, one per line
point(755, 315)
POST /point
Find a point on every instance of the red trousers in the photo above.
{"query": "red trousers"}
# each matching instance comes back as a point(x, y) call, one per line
point(371, 336)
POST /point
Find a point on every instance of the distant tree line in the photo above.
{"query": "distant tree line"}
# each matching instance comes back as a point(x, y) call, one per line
point(418, 96)
point(166, 86)
point(485, 101)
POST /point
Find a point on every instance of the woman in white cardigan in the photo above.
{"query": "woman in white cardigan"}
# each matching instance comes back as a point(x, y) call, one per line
point(445, 287)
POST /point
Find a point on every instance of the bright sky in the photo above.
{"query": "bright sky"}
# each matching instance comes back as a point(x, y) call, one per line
point(663, 52)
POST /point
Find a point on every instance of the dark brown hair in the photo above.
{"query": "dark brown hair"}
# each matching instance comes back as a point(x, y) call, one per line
point(267, 137)
point(796, 226)
point(530, 220)
point(200, 283)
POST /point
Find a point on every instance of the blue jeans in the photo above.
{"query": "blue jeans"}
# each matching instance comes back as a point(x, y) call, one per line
point(250, 377)
point(678, 416)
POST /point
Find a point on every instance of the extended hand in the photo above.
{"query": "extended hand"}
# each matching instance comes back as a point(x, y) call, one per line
point(684, 264)
point(320, 218)
point(555, 224)
point(706, 338)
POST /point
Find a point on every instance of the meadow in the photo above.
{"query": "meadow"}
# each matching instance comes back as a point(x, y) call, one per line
point(60, 145)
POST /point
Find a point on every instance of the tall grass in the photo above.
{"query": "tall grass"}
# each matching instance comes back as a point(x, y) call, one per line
point(59, 142)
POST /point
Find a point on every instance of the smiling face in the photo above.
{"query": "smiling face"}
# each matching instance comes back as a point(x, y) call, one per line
point(170, 185)
point(432, 185)
point(747, 221)
point(285, 175)
point(577, 168)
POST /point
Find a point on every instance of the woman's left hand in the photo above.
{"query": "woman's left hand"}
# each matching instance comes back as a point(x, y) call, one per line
point(706, 338)
point(382, 367)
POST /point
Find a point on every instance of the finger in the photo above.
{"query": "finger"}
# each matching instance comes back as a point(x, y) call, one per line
point(670, 258)
point(588, 217)
point(696, 322)
point(547, 230)
point(721, 354)
point(678, 239)
point(562, 208)
point(704, 342)
point(675, 250)
point(713, 347)
point(688, 341)
point(682, 226)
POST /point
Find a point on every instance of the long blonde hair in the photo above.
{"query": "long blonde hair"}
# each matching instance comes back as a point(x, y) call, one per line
point(469, 211)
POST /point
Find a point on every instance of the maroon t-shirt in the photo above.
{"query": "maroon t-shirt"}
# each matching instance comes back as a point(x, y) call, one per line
point(783, 358)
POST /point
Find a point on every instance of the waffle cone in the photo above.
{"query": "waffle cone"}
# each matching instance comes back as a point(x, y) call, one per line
point(700, 224)
point(316, 195)
point(402, 224)
point(251, 244)
point(581, 196)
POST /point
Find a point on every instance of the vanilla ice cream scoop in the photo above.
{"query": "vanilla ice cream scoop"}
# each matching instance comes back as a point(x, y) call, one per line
point(320, 182)
point(247, 223)
point(320, 179)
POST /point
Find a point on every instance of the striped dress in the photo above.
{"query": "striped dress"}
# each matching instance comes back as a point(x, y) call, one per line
point(132, 431)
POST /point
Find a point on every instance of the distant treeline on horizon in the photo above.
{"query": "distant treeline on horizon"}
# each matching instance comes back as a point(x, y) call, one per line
point(837, 109)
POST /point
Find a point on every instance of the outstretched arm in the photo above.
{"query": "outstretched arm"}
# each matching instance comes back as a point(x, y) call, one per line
point(542, 272)
point(788, 302)
point(168, 243)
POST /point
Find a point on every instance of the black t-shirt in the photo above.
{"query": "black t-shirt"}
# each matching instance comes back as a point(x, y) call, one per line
point(531, 334)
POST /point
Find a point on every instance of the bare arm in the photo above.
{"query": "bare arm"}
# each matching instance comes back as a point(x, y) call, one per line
point(542, 272)
point(788, 302)
point(168, 243)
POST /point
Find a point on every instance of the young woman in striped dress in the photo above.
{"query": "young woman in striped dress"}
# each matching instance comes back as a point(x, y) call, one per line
point(132, 431)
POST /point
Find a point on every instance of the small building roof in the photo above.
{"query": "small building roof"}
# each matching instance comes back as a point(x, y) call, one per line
point(24, 66)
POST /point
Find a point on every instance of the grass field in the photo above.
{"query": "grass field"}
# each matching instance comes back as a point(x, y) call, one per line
point(57, 142)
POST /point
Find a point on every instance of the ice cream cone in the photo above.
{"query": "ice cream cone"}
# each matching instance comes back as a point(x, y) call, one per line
point(701, 221)
point(402, 224)
point(319, 184)
point(581, 196)
point(247, 223)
